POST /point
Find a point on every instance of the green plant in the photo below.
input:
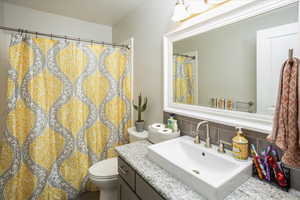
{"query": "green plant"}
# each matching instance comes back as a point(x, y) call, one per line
point(140, 108)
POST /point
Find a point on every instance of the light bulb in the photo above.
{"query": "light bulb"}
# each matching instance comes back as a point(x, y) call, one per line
point(195, 7)
point(180, 12)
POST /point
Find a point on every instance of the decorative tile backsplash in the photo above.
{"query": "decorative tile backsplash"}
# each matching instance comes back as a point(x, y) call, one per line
point(218, 132)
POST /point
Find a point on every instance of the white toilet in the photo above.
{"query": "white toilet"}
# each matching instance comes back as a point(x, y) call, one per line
point(104, 174)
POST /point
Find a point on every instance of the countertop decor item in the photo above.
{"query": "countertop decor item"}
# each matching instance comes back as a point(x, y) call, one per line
point(229, 104)
point(213, 102)
point(240, 147)
point(158, 133)
point(221, 103)
point(171, 121)
point(140, 107)
point(135, 154)
point(268, 168)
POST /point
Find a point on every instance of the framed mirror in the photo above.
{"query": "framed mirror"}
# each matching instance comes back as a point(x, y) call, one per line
point(226, 68)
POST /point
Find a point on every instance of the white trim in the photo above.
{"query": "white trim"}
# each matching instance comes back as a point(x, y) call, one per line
point(224, 16)
point(299, 13)
point(131, 41)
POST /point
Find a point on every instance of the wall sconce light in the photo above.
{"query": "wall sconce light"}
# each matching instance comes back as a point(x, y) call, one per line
point(180, 12)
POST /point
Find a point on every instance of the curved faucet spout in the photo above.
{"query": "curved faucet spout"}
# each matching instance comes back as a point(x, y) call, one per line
point(200, 124)
point(207, 144)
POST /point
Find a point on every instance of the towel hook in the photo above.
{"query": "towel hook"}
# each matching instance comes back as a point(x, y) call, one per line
point(291, 52)
point(291, 55)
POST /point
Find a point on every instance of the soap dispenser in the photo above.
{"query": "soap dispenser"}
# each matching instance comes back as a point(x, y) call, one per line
point(240, 145)
point(171, 121)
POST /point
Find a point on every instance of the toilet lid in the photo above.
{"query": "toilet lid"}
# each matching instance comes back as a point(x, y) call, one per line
point(105, 168)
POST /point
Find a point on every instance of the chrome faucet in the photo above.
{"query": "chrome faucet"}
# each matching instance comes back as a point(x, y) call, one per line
point(197, 139)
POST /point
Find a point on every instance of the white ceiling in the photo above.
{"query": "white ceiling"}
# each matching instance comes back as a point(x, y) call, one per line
point(107, 12)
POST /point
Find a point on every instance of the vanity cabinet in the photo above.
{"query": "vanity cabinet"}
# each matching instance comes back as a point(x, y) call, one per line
point(132, 186)
point(125, 192)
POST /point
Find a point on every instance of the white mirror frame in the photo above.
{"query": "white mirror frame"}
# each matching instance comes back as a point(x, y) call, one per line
point(235, 11)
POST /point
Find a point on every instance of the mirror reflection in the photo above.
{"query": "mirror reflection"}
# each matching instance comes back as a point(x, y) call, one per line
point(237, 66)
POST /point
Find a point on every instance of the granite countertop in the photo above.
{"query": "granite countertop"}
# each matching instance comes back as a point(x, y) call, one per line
point(172, 189)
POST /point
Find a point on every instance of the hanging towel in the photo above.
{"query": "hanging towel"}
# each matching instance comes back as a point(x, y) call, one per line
point(286, 125)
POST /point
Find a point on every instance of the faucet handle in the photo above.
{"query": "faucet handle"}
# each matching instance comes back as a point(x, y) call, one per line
point(208, 144)
point(197, 139)
point(221, 148)
point(194, 133)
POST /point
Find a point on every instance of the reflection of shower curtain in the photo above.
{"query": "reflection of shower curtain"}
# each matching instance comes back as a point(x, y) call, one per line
point(183, 80)
point(68, 107)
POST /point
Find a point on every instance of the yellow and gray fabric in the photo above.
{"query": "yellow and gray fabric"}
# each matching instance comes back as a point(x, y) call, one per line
point(69, 105)
point(183, 80)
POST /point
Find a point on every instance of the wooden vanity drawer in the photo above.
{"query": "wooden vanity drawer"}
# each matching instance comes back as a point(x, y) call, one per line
point(127, 173)
point(125, 193)
point(145, 191)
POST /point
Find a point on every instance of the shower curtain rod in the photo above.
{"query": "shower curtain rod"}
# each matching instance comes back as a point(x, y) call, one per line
point(62, 37)
point(192, 57)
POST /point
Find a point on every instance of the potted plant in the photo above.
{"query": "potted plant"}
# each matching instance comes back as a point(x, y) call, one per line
point(141, 107)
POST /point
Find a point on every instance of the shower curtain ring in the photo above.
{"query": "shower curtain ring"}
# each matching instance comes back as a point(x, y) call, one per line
point(92, 41)
point(65, 38)
point(51, 36)
point(23, 33)
point(36, 35)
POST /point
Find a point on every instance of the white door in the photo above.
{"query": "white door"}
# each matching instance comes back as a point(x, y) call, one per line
point(273, 45)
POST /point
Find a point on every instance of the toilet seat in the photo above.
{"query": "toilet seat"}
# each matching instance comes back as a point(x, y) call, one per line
point(104, 170)
point(102, 177)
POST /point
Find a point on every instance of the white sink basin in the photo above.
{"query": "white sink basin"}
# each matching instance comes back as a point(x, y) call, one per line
point(208, 172)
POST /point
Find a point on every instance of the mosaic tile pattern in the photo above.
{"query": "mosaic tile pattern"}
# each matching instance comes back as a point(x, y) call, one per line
point(172, 189)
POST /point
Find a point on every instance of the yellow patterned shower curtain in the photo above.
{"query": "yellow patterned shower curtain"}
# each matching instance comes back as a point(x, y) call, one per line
point(183, 80)
point(69, 105)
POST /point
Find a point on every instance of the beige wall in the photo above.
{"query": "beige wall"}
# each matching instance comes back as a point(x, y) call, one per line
point(227, 56)
point(147, 25)
point(26, 18)
point(21, 17)
point(3, 70)
point(1, 11)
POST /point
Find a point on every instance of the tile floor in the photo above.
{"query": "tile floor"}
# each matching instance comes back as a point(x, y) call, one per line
point(89, 196)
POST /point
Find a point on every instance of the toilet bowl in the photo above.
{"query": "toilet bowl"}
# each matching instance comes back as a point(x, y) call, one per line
point(104, 175)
